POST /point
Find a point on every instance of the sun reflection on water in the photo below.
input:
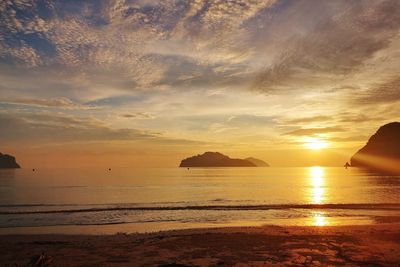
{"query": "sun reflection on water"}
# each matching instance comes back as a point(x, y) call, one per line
point(319, 219)
point(317, 185)
point(317, 194)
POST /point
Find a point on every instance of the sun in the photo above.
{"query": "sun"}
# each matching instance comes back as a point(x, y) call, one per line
point(315, 143)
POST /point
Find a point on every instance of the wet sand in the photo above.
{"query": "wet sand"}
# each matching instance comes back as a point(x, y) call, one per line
point(367, 245)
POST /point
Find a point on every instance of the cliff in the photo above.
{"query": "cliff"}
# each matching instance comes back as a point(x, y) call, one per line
point(215, 159)
point(8, 162)
point(382, 151)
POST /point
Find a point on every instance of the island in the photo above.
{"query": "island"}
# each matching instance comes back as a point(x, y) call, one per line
point(382, 151)
point(257, 162)
point(216, 159)
point(8, 162)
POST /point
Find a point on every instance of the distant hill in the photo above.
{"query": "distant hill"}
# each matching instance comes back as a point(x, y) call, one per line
point(257, 162)
point(216, 159)
point(8, 162)
point(382, 151)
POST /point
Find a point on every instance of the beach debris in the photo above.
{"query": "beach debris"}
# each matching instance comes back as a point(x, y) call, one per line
point(41, 260)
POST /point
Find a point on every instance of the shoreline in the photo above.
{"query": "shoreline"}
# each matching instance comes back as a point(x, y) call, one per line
point(269, 245)
point(155, 227)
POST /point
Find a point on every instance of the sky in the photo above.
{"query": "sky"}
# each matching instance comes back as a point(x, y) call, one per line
point(148, 83)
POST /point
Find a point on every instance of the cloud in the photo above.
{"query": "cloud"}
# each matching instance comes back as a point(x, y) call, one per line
point(358, 118)
point(157, 45)
point(232, 67)
point(314, 131)
point(46, 128)
point(355, 138)
point(138, 115)
point(319, 118)
point(58, 128)
point(60, 102)
point(387, 92)
point(328, 48)
point(250, 120)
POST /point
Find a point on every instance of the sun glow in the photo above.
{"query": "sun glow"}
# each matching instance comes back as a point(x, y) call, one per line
point(315, 143)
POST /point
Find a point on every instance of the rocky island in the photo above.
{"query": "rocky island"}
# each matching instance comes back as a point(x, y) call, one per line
point(382, 151)
point(8, 162)
point(257, 162)
point(216, 159)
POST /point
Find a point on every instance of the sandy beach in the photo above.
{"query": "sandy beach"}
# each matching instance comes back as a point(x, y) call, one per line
point(368, 245)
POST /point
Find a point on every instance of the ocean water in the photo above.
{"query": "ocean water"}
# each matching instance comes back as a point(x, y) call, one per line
point(144, 200)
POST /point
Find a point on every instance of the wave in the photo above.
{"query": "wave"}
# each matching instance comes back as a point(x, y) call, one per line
point(359, 206)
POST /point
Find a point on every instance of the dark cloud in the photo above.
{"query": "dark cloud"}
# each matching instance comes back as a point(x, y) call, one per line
point(138, 115)
point(49, 128)
point(46, 127)
point(57, 83)
point(331, 44)
point(387, 92)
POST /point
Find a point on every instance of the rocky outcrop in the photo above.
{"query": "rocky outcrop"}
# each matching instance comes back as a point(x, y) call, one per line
point(215, 159)
point(8, 162)
point(382, 152)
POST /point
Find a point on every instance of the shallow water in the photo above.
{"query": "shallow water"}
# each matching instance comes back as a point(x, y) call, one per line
point(130, 200)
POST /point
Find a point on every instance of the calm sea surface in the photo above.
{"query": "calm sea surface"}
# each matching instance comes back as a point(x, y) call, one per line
point(140, 200)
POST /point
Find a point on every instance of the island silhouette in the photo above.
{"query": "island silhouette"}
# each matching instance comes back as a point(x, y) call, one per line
point(257, 162)
point(8, 162)
point(216, 159)
point(382, 151)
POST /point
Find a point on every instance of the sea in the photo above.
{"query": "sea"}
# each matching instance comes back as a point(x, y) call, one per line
point(123, 200)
